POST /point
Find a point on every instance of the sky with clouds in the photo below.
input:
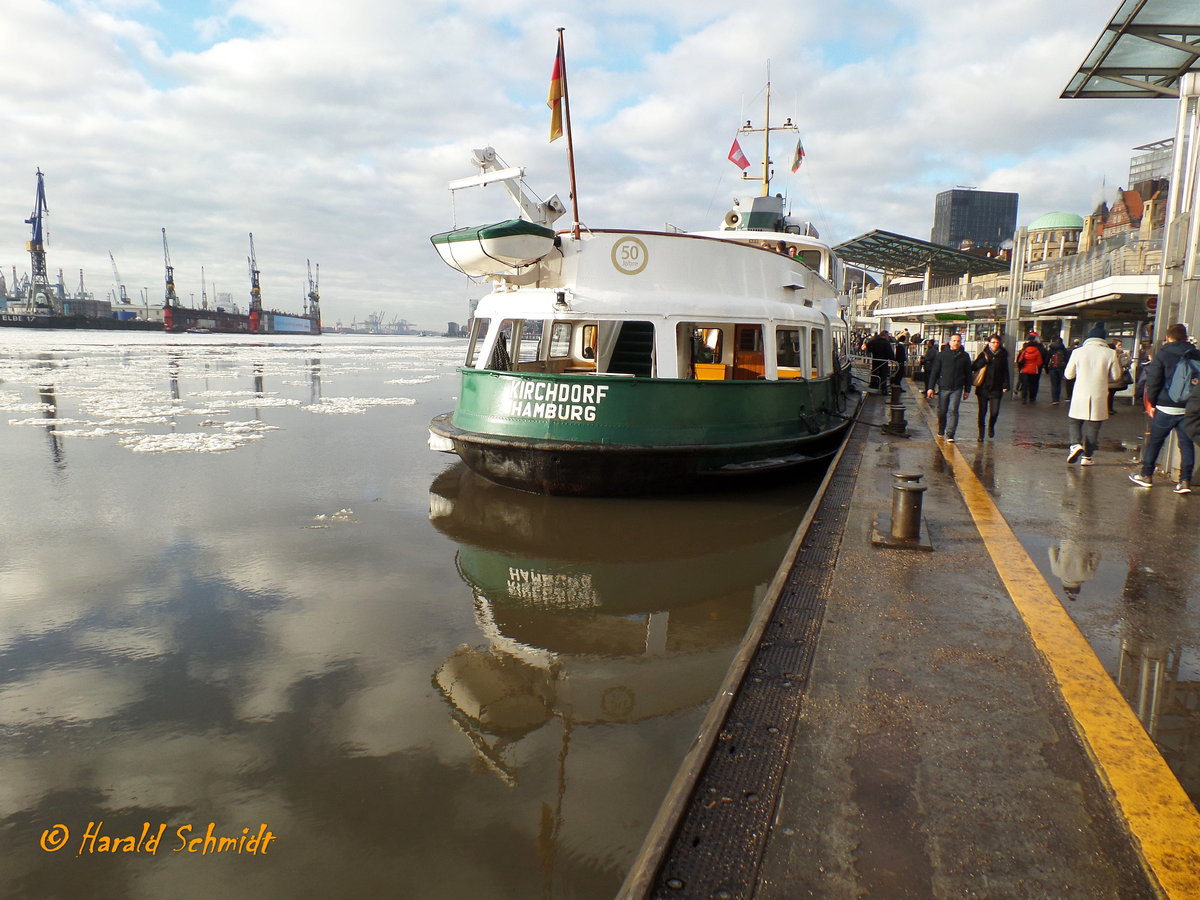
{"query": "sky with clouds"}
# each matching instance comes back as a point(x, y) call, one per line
point(329, 131)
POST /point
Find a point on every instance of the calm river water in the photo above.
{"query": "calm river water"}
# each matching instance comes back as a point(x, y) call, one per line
point(240, 599)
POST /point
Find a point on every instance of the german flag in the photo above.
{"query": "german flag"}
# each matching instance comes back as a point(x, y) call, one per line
point(558, 79)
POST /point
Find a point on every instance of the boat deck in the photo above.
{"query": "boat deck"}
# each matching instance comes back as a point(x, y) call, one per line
point(955, 717)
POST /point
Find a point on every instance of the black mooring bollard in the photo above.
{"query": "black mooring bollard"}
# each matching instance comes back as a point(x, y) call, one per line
point(897, 389)
point(906, 506)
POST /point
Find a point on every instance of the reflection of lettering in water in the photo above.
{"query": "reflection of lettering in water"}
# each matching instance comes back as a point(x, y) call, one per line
point(574, 402)
point(549, 589)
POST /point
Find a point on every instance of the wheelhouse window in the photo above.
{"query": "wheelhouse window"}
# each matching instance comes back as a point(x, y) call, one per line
point(479, 330)
point(527, 348)
point(560, 340)
point(817, 352)
point(501, 358)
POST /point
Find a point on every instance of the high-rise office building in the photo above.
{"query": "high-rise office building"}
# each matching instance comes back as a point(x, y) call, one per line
point(987, 218)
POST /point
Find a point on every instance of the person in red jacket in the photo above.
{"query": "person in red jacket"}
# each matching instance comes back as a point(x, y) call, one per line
point(1030, 363)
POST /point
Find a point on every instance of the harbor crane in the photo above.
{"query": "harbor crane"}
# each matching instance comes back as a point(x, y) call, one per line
point(121, 295)
point(255, 288)
point(314, 298)
point(39, 286)
point(170, 298)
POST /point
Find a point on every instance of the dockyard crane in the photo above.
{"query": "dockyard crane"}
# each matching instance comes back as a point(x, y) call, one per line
point(121, 295)
point(255, 288)
point(39, 286)
point(314, 298)
point(170, 299)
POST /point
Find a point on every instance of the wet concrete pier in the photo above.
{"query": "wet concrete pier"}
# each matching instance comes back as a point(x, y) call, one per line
point(967, 722)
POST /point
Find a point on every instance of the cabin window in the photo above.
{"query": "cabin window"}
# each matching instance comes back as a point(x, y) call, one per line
point(817, 349)
point(560, 339)
point(587, 340)
point(530, 343)
point(706, 345)
point(788, 348)
point(501, 359)
point(701, 351)
point(479, 330)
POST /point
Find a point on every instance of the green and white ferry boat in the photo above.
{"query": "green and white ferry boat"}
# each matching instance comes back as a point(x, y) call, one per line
point(608, 362)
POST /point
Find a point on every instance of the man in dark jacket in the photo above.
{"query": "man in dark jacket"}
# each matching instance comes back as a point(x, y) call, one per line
point(951, 375)
point(1168, 415)
point(880, 349)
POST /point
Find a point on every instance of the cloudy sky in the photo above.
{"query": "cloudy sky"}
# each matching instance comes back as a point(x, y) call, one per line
point(330, 130)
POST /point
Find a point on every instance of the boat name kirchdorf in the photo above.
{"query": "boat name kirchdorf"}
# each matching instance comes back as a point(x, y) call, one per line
point(569, 402)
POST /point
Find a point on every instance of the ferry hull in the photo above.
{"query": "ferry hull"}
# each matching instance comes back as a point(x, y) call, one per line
point(567, 468)
point(618, 436)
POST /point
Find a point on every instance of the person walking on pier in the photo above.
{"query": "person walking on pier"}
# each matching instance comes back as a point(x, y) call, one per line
point(1056, 361)
point(951, 375)
point(1029, 363)
point(1091, 367)
point(993, 361)
point(882, 358)
point(1168, 411)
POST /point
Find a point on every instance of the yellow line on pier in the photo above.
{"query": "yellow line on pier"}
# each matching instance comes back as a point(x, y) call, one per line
point(1163, 821)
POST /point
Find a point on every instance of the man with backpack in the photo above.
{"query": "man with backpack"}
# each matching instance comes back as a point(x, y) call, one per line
point(1170, 379)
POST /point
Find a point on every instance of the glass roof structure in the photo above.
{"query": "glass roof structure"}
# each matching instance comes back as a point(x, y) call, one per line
point(897, 254)
point(1142, 52)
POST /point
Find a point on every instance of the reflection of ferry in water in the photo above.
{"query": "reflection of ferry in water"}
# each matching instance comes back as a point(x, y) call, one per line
point(633, 618)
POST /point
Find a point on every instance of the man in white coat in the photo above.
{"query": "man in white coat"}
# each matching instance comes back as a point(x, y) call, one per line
point(1092, 366)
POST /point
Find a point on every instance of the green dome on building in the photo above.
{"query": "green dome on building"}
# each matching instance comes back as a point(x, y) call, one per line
point(1056, 221)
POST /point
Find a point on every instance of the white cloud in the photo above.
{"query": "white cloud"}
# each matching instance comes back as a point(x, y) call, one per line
point(331, 137)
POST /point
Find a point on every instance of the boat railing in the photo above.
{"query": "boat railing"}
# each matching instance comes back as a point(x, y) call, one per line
point(865, 370)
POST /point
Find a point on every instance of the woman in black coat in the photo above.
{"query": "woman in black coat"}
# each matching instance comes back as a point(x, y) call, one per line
point(995, 384)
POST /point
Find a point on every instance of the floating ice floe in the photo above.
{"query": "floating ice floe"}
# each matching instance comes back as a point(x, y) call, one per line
point(424, 380)
point(262, 400)
point(192, 442)
point(96, 432)
point(351, 405)
point(47, 422)
point(322, 520)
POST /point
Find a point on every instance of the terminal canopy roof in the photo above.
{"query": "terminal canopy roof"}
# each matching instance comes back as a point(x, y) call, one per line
point(1143, 51)
point(896, 254)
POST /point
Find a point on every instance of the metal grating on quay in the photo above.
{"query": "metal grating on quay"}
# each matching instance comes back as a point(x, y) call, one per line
point(718, 847)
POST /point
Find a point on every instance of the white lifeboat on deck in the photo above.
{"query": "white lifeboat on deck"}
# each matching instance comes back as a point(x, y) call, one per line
point(497, 249)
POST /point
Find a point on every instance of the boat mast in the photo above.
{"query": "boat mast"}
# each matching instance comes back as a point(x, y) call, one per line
point(766, 130)
point(560, 70)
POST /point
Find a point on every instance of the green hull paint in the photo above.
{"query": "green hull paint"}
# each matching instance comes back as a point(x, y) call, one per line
point(645, 412)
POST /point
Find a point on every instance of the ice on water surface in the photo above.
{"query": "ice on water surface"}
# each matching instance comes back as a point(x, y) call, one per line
point(160, 394)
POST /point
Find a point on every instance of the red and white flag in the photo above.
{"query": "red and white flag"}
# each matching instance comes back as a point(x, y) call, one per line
point(737, 157)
